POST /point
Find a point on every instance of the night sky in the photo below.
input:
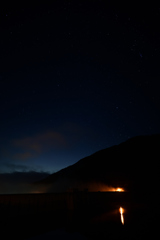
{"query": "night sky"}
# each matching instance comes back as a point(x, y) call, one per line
point(75, 77)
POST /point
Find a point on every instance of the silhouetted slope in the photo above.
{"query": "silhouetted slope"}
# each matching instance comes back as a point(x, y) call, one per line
point(132, 164)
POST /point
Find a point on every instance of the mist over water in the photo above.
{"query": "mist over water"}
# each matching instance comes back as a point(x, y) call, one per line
point(67, 185)
point(27, 182)
point(20, 182)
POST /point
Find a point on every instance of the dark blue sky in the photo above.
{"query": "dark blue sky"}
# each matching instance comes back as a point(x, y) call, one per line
point(75, 77)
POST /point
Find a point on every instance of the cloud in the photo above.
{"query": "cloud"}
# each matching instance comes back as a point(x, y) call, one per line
point(32, 146)
point(23, 156)
point(40, 141)
point(11, 167)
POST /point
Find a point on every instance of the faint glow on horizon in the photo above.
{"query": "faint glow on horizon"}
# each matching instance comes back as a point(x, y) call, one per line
point(112, 189)
point(36, 192)
point(121, 210)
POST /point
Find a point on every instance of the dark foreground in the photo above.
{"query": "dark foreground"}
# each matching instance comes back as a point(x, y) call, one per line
point(92, 215)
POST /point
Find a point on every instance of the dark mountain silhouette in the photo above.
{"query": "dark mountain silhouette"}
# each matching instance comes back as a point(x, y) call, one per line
point(133, 165)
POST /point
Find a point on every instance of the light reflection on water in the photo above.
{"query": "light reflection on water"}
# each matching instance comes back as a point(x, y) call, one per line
point(121, 210)
point(116, 215)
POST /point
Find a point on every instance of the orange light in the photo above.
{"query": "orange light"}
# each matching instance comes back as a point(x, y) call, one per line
point(110, 189)
point(119, 190)
point(121, 210)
